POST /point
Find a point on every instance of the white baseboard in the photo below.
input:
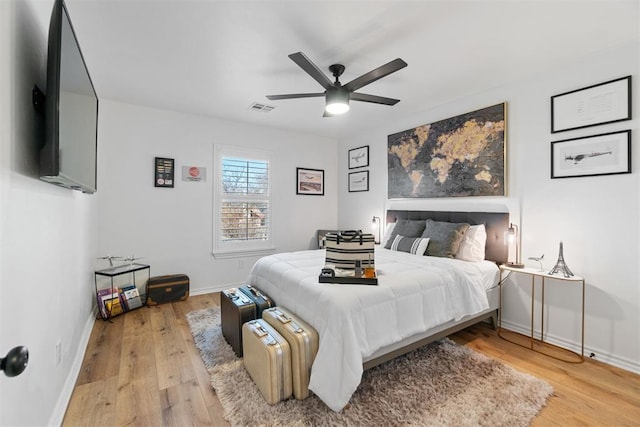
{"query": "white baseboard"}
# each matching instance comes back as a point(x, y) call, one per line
point(598, 354)
point(67, 390)
point(218, 288)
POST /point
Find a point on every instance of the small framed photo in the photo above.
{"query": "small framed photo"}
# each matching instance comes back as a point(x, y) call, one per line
point(310, 181)
point(599, 104)
point(164, 172)
point(604, 154)
point(359, 157)
point(359, 181)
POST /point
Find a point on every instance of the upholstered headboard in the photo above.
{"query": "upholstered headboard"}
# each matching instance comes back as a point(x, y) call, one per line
point(496, 223)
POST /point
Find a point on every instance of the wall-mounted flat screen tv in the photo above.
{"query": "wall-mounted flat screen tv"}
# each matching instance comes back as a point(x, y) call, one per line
point(69, 155)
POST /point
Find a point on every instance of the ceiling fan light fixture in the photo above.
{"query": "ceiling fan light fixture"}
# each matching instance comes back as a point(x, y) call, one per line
point(337, 101)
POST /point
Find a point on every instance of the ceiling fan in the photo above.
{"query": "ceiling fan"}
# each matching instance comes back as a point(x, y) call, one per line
point(337, 95)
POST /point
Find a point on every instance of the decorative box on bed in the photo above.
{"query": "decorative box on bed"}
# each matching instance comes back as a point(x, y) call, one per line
point(418, 299)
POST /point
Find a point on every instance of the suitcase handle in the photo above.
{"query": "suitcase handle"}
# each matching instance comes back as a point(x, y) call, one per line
point(234, 295)
point(255, 292)
point(261, 333)
point(283, 318)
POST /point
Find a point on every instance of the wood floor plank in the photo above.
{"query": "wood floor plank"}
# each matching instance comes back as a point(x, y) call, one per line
point(138, 403)
point(200, 370)
point(138, 400)
point(184, 402)
point(102, 358)
point(93, 403)
point(172, 360)
point(589, 393)
point(128, 376)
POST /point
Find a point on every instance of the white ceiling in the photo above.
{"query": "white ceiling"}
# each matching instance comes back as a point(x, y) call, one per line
point(218, 57)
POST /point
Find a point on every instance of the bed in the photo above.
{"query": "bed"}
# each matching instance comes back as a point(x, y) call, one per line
point(418, 299)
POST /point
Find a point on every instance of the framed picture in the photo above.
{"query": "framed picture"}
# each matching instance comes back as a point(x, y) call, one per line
point(163, 172)
point(359, 157)
point(604, 154)
point(358, 181)
point(194, 174)
point(456, 157)
point(599, 104)
point(310, 181)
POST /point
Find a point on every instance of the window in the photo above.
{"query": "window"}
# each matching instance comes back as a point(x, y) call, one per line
point(242, 202)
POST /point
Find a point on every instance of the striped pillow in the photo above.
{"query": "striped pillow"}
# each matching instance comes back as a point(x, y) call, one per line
point(413, 245)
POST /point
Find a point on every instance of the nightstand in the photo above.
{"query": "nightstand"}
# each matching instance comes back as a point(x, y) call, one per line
point(543, 277)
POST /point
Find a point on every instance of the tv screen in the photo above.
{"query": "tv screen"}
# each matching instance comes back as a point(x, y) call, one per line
point(69, 155)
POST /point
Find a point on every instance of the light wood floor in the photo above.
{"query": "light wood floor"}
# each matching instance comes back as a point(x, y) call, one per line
point(144, 370)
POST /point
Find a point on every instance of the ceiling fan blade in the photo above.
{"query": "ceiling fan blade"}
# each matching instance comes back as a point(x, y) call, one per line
point(311, 69)
point(294, 95)
point(373, 75)
point(373, 98)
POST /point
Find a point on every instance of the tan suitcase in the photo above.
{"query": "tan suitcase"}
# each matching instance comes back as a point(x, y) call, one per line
point(303, 340)
point(267, 358)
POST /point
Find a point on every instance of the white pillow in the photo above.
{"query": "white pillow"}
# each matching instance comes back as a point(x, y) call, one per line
point(387, 233)
point(412, 245)
point(473, 243)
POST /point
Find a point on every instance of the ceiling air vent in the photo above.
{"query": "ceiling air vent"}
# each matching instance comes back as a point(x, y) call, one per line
point(256, 106)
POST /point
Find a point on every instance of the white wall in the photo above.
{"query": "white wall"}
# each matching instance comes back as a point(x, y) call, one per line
point(595, 217)
point(47, 237)
point(171, 228)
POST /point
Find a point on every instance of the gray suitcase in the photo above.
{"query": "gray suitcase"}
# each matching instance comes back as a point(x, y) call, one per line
point(302, 339)
point(267, 358)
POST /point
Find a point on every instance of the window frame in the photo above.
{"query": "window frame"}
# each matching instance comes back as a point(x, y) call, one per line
point(222, 249)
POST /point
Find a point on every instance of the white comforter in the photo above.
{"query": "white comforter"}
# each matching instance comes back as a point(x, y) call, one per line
point(414, 294)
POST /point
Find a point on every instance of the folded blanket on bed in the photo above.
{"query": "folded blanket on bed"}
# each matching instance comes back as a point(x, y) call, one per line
point(414, 294)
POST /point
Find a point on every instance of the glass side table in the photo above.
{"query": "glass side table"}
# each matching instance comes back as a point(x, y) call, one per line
point(121, 288)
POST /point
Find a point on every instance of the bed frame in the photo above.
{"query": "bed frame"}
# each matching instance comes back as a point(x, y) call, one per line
point(496, 223)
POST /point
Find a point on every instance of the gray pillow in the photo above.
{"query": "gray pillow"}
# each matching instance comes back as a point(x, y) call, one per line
point(444, 237)
point(407, 228)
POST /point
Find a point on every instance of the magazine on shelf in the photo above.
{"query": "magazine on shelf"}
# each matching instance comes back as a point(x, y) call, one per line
point(131, 297)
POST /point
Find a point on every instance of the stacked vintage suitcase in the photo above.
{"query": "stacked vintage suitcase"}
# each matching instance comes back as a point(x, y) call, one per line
point(237, 307)
point(278, 347)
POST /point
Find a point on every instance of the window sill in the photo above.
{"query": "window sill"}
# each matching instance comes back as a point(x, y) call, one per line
point(240, 253)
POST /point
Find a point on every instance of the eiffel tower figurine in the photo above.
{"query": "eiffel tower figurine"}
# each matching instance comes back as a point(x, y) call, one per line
point(561, 266)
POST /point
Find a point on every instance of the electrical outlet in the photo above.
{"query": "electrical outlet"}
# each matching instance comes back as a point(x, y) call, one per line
point(58, 352)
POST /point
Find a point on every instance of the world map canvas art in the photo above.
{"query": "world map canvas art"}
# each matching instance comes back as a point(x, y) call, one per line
point(459, 156)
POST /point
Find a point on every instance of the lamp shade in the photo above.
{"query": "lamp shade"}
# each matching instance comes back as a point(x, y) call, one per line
point(375, 226)
point(511, 236)
point(337, 99)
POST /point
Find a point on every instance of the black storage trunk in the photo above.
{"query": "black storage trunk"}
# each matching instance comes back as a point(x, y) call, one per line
point(169, 288)
point(235, 309)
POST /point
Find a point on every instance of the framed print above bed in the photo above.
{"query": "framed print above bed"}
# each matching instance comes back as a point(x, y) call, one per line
point(459, 156)
point(359, 157)
point(310, 181)
point(604, 154)
point(599, 104)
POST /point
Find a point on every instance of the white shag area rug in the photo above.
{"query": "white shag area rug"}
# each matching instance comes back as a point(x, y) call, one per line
point(442, 384)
